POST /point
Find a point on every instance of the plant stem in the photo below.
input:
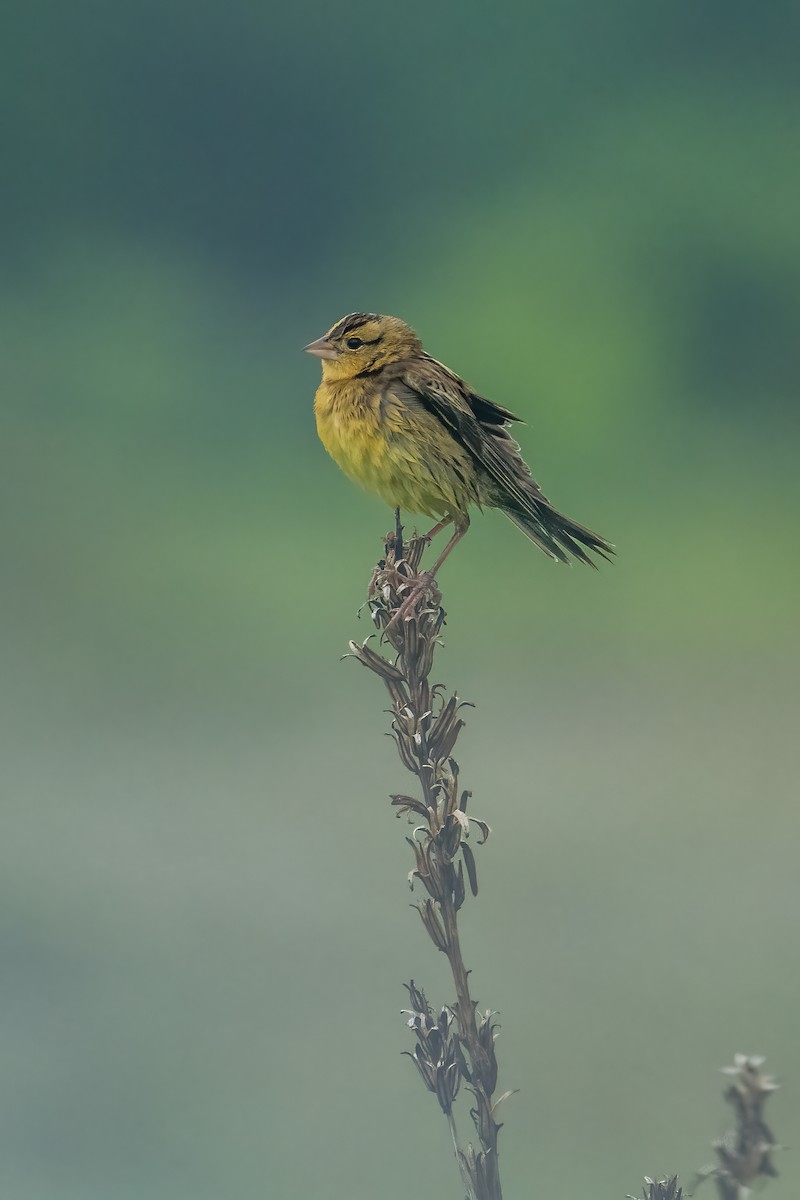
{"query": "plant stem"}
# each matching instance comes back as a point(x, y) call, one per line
point(465, 1179)
point(456, 1045)
point(465, 1010)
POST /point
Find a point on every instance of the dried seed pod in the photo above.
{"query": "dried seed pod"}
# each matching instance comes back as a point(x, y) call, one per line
point(433, 924)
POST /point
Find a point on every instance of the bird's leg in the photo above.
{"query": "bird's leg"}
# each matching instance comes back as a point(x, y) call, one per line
point(462, 525)
point(425, 578)
point(398, 535)
point(438, 527)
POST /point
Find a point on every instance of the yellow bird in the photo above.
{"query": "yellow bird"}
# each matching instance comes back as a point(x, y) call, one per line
point(403, 425)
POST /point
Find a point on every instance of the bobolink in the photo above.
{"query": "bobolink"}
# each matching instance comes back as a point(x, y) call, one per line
point(405, 426)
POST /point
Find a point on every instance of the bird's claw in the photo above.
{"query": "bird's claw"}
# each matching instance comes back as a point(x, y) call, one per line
point(417, 592)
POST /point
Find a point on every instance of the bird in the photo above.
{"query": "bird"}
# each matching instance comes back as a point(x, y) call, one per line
point(406, 427)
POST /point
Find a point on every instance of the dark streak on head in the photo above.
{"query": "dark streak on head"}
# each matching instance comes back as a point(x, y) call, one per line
point(351, 322)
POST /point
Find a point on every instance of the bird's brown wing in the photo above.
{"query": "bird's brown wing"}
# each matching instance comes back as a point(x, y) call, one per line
point(443, 380)
point(480, 426)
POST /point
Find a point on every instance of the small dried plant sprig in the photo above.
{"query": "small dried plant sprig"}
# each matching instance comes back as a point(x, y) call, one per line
point(661, 1189)
point(457, 1045)
point(744, 1152)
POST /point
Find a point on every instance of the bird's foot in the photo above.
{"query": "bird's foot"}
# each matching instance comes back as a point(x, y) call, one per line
point(422, 591)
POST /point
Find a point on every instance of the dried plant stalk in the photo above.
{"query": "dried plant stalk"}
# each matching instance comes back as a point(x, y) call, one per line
point(661, 1189)
point(744, 1152)
point(457, 1044)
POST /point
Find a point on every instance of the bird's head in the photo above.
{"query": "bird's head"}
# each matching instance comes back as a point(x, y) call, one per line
point(362, 343)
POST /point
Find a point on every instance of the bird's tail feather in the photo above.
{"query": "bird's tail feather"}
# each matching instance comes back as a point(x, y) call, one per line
point(556, 534)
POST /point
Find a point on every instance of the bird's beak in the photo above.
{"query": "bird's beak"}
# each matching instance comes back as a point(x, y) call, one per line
point(322, 348)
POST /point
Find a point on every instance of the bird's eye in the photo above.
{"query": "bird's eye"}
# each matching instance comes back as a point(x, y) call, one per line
point(354, 343)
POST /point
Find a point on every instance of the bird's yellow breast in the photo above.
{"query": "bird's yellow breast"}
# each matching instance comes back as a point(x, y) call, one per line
point(401, 454)
point(349, 427)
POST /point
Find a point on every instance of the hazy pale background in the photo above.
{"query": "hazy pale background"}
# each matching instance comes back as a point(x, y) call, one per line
point(591, 211)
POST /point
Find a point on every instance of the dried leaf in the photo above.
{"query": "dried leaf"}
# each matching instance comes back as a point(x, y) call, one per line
point(484, 828)
point(408, 804)
point(469, 862)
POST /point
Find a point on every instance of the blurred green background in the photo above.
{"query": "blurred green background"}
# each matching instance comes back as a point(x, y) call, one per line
point(591, 212)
